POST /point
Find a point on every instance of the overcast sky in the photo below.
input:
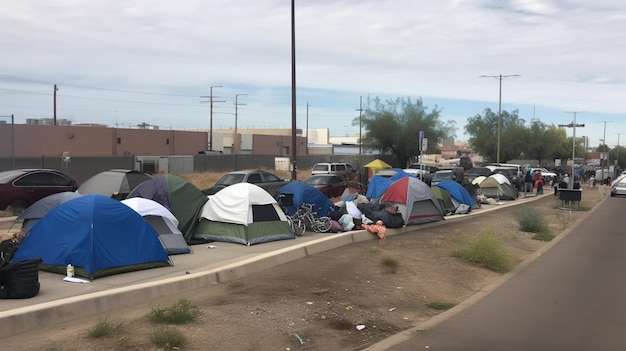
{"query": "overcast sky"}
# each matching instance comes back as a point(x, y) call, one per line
point(127, 62)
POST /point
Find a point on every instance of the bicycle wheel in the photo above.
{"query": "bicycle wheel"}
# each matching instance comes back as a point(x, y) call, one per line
point(298, 226)
point(323, 224)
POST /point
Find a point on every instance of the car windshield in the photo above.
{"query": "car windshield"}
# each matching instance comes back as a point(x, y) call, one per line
point(230, 179)
point(620, 185)
point(316, 180)
point(442, 176)
point(477, 172)
point(320, 168)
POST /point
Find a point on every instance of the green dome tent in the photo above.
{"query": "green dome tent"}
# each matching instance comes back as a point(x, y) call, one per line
point(179, 196)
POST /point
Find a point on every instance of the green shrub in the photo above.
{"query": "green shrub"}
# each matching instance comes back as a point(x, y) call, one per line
point(389, 263)
point(530, 219)
point(543, 236)
point(438, 305)
point(179, 313)
point(487, 250)
point(236, 284)
point(104, 328)
point(168, 339)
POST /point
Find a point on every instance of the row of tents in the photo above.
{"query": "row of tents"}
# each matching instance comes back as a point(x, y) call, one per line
point(163, 215)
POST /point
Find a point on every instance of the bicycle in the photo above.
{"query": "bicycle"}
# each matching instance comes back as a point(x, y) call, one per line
point(297, 226)
point(311, 220)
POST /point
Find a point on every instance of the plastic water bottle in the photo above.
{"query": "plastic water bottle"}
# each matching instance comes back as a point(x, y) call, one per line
point(70, 271)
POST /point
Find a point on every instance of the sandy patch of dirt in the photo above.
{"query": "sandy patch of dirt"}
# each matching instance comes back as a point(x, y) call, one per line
point(317, 303)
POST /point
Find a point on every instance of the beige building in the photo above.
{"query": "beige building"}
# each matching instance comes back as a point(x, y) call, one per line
point(35, 140)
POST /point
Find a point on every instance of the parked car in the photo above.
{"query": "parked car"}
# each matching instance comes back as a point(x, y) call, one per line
point(266, 180)
point(441, 175)
point(545, 174)
point(330, 184)
point(20, 188)
point(421, 171)
point(473, 173)
point(332, 168)
point(618, 188)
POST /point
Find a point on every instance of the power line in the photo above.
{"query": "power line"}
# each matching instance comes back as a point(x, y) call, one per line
point(91, 87)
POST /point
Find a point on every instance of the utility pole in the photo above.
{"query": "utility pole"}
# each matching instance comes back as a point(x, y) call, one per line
point(54, 119)
point(236, 139)
point(294, 139)
point(573, 125)
point(360, 109)
point(500, 77)
point(211, 101)
point(604, 147)
point(617, 158)
point(307, 127)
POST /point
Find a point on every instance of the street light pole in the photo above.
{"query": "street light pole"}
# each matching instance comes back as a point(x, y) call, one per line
point(54, 120)
point(573, 125)
point(500, 77)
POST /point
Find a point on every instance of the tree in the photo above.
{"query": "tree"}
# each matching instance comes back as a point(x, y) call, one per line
point(393, 127)
point(483, 132)
point(560, 146)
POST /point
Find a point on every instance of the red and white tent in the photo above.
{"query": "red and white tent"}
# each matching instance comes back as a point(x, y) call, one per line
point(414, 199)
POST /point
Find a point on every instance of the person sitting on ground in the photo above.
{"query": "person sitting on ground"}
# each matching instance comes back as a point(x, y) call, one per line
point(353, 194)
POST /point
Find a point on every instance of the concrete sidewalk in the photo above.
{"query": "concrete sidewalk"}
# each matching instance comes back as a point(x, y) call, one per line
point(60, 301)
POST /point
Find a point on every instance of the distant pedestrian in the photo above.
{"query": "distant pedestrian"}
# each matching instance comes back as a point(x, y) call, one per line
point(565, 179)
point(539, 186)
point(528, 181)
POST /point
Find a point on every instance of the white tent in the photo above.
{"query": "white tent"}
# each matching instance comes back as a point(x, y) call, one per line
point(242, 213)
point(498, 186)
point(163, 222)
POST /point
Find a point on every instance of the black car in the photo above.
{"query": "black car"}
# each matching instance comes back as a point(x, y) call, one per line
point(266, 180)
point(20, 188)
point(473, 173)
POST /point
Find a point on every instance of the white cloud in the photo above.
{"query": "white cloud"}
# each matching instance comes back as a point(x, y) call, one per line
point(568, 53)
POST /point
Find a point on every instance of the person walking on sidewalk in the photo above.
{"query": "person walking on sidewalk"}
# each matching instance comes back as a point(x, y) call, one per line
point(528, 181)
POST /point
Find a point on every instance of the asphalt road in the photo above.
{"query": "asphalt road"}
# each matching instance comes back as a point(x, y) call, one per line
point(571, 298)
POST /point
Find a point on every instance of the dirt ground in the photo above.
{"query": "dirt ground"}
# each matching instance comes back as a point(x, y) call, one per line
point(321, 302)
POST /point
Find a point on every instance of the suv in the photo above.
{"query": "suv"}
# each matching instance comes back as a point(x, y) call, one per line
point(331, 168)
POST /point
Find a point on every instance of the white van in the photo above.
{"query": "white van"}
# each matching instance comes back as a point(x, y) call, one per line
point(331, 168)
point(521, 170)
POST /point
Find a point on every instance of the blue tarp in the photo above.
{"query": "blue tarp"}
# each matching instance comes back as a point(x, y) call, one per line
point(303, 193)
point(458, 193)
point(94, 233)
point(378, 184)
